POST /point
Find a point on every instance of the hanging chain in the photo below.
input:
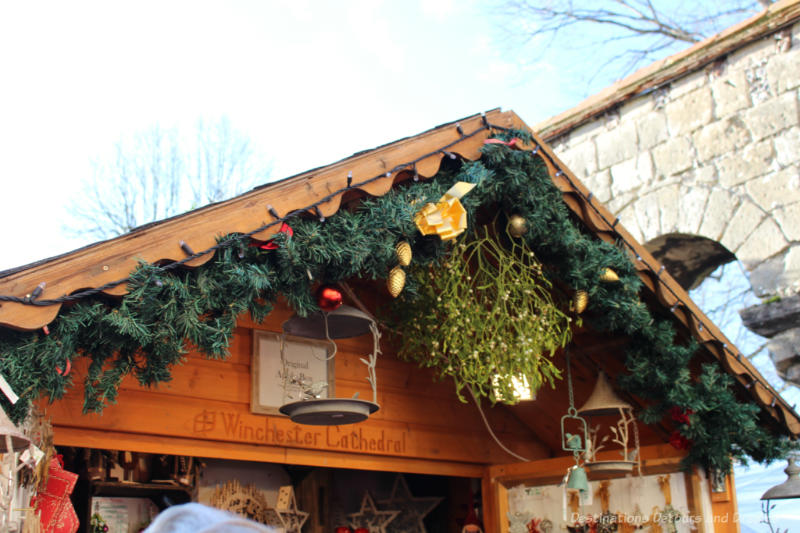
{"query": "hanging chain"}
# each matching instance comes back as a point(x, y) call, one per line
point(572, 411)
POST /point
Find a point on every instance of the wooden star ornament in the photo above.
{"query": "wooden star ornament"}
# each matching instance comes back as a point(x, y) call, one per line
point(370, 517)
point(292, 518)
point(412, 511)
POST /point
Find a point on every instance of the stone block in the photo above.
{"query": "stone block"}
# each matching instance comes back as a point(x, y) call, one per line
point(627, 219)
point(765, 278)
point(773, 115)
point(719, 210)
point(687, 84)
point(631, 174)
point(790, 278)
point(690, 111)
point(730, 93)
point(721, 137)
point(783, 71)
point(744, 222)
point(600, 184)
point(635, 108)
point(755, 160)
point(668, 205)
point(652, 129)
point(617, 204)
point(648, 216)
point(616, 145)
point(788, 219)
point(766, 241)
point(673, 156)
point(754, 53)
point(581, 159)
point(784, 349)
point(776, 189)
point(787, 146)
point(692, 208)
point(701, 174)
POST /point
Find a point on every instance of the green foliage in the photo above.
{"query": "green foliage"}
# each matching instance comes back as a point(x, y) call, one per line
point(485, 316)
point(168, 312)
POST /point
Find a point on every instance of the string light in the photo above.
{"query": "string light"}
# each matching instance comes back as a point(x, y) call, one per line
point(186, 248)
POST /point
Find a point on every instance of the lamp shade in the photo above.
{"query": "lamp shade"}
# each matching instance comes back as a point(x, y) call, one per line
point(603, 400)
point(344, 322)
point(789, 488)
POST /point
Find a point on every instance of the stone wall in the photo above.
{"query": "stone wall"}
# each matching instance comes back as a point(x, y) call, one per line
point(715, 153)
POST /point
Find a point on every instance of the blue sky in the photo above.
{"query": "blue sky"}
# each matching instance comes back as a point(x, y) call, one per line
point(309, 82)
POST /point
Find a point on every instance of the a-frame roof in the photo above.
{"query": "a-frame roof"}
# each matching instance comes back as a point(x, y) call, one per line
point(190, 239)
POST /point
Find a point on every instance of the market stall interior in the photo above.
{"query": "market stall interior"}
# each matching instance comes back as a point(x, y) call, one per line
point(450, 307)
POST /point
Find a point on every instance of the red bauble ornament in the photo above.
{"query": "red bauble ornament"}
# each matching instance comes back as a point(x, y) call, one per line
point(329, 298)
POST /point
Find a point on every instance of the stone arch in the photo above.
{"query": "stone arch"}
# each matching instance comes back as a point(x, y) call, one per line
point(689, 258)
point(740, 223)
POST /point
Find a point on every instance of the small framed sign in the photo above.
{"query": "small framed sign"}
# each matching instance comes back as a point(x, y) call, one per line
point(300, 369)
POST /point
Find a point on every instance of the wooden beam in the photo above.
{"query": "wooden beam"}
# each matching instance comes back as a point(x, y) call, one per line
point(113, 440)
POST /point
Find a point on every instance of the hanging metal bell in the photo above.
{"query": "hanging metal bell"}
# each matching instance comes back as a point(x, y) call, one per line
point(577, 480)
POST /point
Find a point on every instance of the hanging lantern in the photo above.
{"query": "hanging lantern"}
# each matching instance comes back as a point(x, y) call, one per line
point(789, 488)
point(343, 322)
point(604, 402)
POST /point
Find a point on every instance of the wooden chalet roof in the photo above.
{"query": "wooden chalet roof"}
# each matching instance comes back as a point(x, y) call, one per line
point(775, 17)
point(322, 191)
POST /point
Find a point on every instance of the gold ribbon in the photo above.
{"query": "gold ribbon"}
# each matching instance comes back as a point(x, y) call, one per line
point(447, 217)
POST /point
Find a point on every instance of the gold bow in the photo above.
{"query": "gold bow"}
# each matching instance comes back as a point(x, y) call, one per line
point(447, 217)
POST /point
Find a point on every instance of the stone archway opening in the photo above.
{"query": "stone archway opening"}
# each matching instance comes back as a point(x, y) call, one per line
point(689, 258)
point(733, 303)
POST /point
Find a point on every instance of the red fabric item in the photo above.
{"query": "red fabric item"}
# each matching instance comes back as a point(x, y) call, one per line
point(271, 244)
point(680, 415)
point(511, 144)
point(53, 505)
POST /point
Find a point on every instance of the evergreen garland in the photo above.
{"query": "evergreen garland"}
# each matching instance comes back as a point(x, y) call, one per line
point(165, 314)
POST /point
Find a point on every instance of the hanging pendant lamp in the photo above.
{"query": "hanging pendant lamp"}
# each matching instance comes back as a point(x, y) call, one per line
point(789, 488)
point(343, 322)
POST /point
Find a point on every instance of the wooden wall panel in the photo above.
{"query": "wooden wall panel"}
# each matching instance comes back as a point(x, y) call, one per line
point(207, 404)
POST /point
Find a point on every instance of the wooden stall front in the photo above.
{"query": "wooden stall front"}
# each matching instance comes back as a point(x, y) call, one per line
point(422, 427)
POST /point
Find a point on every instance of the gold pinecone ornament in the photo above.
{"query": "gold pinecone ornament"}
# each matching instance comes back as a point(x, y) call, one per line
point(403, 252)
point(396, 281)
point(608, 276)
point(517, 226)
point(580, 301)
